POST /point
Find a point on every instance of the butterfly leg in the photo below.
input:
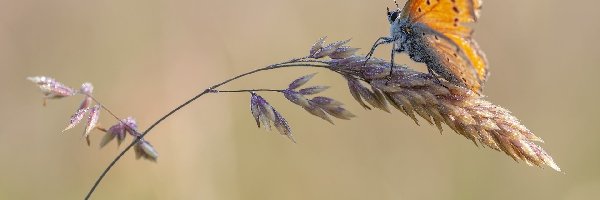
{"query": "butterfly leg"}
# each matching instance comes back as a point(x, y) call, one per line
point(380, 41)
point(392, 65)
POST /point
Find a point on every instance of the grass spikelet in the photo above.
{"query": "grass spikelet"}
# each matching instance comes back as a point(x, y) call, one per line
point(438, 101)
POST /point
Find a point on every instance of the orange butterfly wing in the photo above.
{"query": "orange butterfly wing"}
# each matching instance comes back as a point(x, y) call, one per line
point(446, 17)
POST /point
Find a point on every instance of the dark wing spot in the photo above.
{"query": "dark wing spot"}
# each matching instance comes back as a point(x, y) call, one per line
point(428, 2)
point(455, 9)
point(419, 9)
point(436, 37)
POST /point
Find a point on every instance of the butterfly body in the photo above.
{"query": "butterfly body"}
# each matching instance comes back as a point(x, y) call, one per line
point(433, 32)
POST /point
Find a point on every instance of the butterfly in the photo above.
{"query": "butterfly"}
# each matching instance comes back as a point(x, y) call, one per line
point(434, 32)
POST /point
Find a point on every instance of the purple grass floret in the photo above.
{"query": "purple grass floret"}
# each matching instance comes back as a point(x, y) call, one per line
point(143, 149)
point(92, 120)
point(328, 50)
point(119, 131)
point(76, 118)
point(343, 52)
point(87, 90)
point(282, 126)
point(301, 81)
point(51, 88)
point(265, 114)
point(313, 90)
point(326, 102)
point(296, 98)
point(255, 109)
point(317, 111)
point(315, 108)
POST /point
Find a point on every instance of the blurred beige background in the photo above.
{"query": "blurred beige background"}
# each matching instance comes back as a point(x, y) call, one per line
point(146, 57)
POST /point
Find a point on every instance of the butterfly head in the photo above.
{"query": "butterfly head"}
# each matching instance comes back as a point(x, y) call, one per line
point(393, 14)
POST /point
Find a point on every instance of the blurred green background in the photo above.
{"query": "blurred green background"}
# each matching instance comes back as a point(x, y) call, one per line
point(146, 57)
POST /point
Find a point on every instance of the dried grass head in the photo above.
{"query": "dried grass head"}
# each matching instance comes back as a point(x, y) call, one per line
point(436, 101)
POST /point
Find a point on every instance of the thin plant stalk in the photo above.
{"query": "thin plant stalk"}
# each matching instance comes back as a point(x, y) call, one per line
point(208, 90)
